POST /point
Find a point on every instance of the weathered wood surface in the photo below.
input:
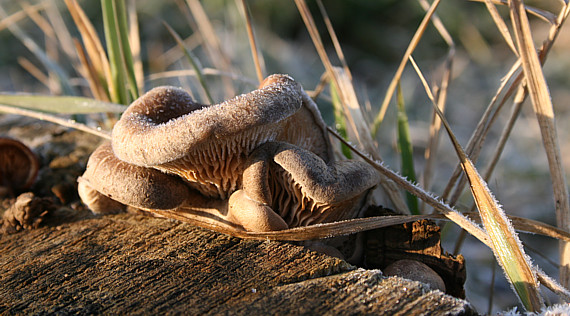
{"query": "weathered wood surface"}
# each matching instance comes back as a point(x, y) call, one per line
point(139, 265)
point(127, 264)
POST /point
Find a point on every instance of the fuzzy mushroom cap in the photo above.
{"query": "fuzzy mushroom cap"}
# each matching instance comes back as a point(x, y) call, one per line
point(302, 188)
point(128, 184)
point(208, 145)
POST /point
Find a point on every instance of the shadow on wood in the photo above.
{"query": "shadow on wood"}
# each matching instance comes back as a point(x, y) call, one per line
point(129, 264)
point(133, 264)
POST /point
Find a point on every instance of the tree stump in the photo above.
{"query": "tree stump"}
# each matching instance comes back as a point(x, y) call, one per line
point(140, 265)
point(131, 264)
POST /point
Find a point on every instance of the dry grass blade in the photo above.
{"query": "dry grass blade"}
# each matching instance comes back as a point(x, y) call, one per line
point(15, 17)
point(441, 97)
point(551, 284)
point(501, 25)
point(61, 31)
point(48, 63)
point(33, 70)
point(257, 58)
point(435, 125)
point(542, 104)
point(93, 47)
point(545, 15)
point(40, 21)
point(90, 74)
point(425, 196)
point(358, 128)
point(317, 41)
point(411, 47)
point(505, 243)
point(529, 226)
point(54, 119)
point(352, 110)
point(212, 42)
point(448, 212)
point(334, 38)
point(312, 232)
point(193, 61)
point(478, 137)
point(507, 129)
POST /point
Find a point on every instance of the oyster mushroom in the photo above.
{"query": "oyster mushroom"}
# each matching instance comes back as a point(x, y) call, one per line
point(18, 166)
point(207, 145)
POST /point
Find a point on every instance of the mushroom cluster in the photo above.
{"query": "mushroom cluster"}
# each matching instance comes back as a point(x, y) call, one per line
point(261, 161)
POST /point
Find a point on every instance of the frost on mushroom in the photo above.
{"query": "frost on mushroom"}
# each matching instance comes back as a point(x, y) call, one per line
point(301, 187)
point(208, 145)
point(263, 157)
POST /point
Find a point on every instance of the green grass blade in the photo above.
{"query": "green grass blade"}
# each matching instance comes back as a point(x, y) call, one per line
point(126, 53)
point(193, 61)
point(339, 119)
point(60, 104)
point(406, 150)
point(119, 94)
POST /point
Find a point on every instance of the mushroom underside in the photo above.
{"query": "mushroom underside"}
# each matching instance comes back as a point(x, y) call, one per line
point(178, 158)
point(302, 188)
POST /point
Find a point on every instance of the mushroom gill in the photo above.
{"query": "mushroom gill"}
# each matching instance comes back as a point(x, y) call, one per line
point(207, 146)
point(302, 188)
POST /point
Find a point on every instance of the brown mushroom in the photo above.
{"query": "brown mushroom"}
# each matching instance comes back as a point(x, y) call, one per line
point(183, 160)
point(417, 271)
point(208, 145)
point(300, 186)
point(108, 180)
point(18, 167)
point(109, 185)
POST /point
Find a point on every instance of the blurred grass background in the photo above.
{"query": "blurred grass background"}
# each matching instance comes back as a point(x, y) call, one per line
point(373, 35)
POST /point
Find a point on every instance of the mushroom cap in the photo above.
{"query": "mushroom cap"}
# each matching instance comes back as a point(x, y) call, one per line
point(417, 271)
point(307, 129)
point(207, 146)
point(18, 165)
point(132, 185)
point(303, 188)
point(165, 124)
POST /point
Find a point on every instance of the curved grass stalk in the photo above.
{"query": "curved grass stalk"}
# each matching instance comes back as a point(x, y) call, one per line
point(54, 119)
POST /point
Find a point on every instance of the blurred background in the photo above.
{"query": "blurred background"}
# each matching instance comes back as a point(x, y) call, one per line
point(374, 36)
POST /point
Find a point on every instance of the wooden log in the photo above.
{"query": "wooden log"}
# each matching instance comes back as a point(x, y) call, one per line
point(129, 264)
